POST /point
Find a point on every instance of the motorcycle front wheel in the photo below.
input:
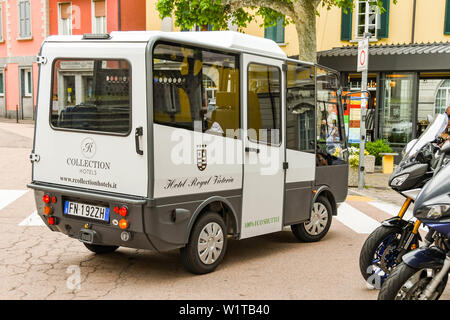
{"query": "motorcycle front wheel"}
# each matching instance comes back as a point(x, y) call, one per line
point(408, 283)
point(379, 254)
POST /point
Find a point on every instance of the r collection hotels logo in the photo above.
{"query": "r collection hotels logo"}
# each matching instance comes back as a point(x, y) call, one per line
point(88, 148)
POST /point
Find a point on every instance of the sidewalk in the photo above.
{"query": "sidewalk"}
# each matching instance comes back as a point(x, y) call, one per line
point(377, 187)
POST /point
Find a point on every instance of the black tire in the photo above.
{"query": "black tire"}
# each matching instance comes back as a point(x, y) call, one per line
point(371, 245)
point(190, 253)
point(399, 276)
point(300, 232)
point(99, 249)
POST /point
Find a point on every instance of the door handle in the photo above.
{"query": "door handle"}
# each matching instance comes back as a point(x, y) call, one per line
point(138, 133)
point(247, 149)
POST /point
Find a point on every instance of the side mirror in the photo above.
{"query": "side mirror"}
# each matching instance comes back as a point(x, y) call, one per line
point(429, 118)
point(446, 147)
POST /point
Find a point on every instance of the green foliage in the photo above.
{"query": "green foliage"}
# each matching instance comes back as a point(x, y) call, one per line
point(190, 13)
point(375, 148)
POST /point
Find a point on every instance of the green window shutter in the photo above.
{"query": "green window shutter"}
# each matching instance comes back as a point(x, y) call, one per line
point(346, 25)
point(383, 26)
point(447, 18)
point(275, 33)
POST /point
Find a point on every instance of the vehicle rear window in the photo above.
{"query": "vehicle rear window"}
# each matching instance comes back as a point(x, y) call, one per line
point(91, 95)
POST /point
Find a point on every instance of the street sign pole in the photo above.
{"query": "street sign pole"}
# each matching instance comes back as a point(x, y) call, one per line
point(363, 64)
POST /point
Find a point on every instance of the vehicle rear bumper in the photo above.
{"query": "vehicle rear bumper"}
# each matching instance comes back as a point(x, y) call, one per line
point(104, 232)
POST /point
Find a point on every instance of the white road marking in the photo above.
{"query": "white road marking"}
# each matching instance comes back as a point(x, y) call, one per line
point(393, 210)
point(355, 219)
point(9, 196)
point(33, 220)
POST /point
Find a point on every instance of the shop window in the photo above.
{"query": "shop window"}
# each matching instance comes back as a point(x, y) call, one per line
point(264, 103)
point(65, 19)
point(276, 32)
point(300, 103)
point(99, 16)
point(396, 115)
point(366, 18)
point(195, 88)
point(24, 13)
point(329, 124)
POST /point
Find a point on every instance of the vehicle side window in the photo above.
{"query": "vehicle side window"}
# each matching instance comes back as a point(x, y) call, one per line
point(196, 89)
point(300, 103)
point(264, 103)
point(329, 128)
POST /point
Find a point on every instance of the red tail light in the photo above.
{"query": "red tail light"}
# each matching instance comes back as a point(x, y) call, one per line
point(54, 199)
point(116, 210)
point(51, 221)
point(46, 198)
point(123, 211)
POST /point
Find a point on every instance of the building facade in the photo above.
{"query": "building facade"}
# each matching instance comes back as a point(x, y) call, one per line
point(24, 24)
point(409, 70)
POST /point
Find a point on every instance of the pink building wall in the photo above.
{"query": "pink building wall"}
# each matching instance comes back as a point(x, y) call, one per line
point(16, 53)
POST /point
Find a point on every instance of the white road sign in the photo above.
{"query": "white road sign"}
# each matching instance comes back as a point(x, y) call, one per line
point(363, 55)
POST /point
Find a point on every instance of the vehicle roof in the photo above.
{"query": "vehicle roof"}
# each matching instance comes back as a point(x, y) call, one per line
point(230, 40)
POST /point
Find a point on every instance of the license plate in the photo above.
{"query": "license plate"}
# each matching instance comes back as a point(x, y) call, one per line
point(86, 211)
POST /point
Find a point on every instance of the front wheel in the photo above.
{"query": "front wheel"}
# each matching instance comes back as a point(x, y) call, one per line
point(379, 254)
point(207, 244)
point(318, 225)
point(408, 283)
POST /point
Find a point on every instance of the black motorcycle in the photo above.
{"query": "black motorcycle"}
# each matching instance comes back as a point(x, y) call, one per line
point(383, 249)
point(423, 274)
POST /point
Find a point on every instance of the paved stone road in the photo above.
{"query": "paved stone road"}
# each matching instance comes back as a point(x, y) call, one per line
point(36, 263)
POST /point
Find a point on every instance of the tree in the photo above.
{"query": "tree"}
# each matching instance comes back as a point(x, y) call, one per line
point(219, 13)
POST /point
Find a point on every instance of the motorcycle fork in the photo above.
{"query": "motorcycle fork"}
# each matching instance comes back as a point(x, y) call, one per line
point(405, 207)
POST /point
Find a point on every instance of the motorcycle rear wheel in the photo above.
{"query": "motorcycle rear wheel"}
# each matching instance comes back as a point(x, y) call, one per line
point(408, 283)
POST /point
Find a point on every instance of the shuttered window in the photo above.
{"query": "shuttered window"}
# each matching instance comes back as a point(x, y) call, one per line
point(383, 28)
point(1, 23)
point(99, 18)
point(346, 25)
point(275, 33)
point(447, 18)
point(24, 19)
point(65, 18)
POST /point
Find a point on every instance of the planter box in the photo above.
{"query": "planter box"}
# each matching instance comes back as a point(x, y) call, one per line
point(369, 163)
point(352, 176)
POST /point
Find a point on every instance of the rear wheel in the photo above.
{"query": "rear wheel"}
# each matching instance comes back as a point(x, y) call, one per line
point(207, 244)
point(318, 225)
point(408, 283)
point(99, 249)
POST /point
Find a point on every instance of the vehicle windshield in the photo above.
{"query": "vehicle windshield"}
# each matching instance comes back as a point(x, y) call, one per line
point(430, 134)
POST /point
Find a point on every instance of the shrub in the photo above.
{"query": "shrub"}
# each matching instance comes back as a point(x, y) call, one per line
point(377, 147)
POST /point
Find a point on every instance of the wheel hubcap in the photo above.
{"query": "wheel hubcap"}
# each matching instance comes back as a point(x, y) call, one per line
point(319, 219)
point(210, 243)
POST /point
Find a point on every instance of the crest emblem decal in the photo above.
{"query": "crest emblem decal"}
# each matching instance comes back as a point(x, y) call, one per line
point(201, 157)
